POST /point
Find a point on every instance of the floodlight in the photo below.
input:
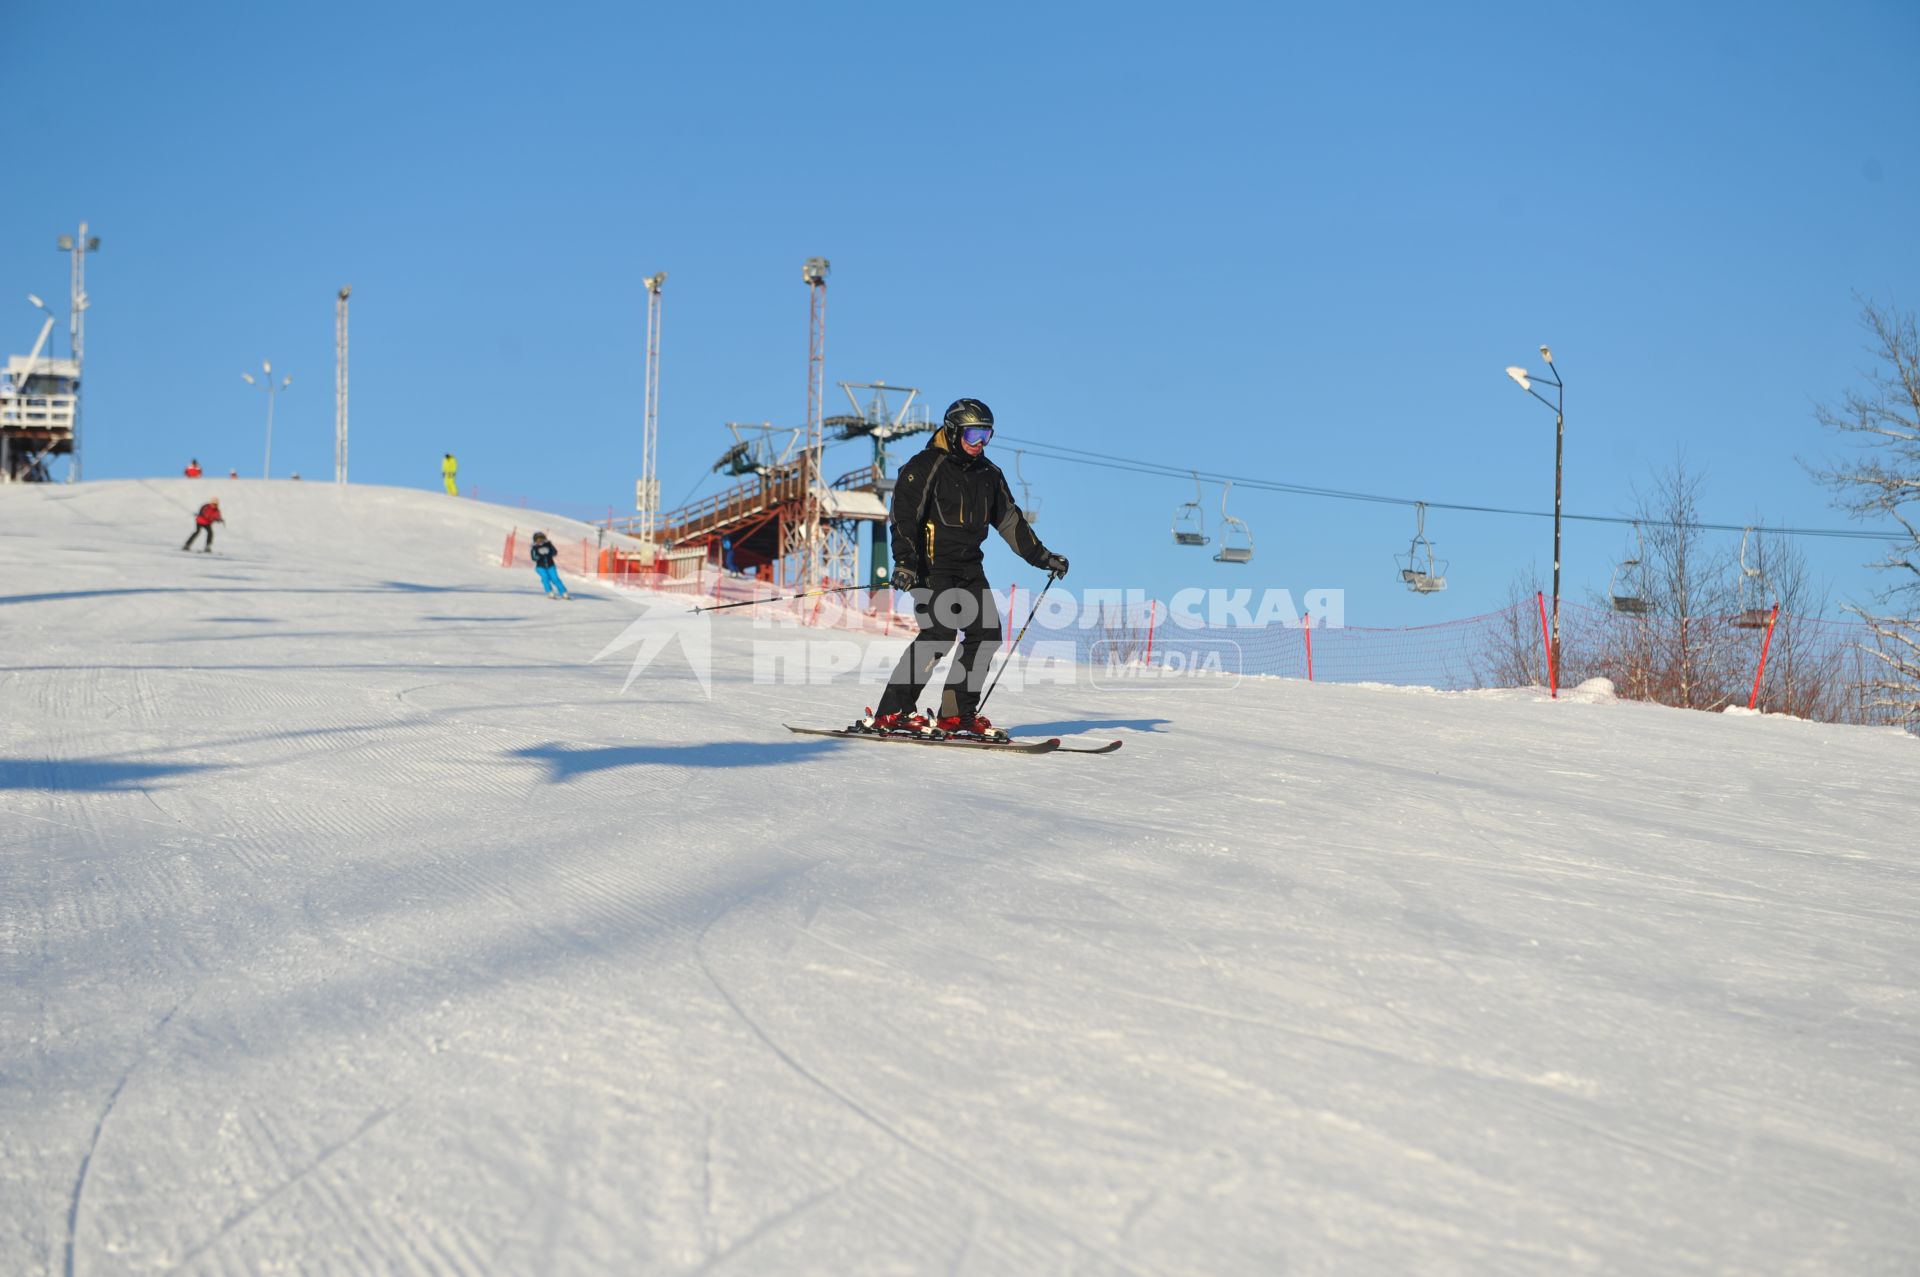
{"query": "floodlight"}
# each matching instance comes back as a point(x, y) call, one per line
point(36, 301)
point(66, 243)
point(248, 378)
point(1546, 354)
point(1520, 375)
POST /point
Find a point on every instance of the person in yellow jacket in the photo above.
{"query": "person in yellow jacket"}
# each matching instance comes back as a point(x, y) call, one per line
point(448, 467)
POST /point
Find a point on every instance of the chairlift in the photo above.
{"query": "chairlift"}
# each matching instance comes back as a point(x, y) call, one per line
point(1189, 521)
point(1236, 539)
point(1418, 568)
point(1753, 611)
point(1029, 508)
point(1627, 588)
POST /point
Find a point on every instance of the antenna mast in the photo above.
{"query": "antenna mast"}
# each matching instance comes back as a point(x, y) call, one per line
point(647, 496)
point(340, 386)
point(79, 246)
point(814, 271)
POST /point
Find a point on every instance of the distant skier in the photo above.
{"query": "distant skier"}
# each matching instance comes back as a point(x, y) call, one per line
point(193, 468)
point(203, 522)
point(545, 553)
point(448, 468)
point(944, 501)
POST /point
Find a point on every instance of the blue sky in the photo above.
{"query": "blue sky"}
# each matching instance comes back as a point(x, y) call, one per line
point(1292, 242)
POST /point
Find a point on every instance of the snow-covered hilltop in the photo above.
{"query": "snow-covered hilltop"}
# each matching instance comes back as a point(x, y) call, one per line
point(353, 920)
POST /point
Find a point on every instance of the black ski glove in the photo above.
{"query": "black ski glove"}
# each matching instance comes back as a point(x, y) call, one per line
point(1056, 565)
point(905, 578)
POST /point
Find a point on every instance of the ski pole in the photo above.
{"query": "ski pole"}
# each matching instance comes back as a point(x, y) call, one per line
point(785, 598)
point(1016, 642)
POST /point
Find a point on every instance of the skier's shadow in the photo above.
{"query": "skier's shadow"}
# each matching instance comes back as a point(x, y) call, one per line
point(1073, 726)
point(565, 762)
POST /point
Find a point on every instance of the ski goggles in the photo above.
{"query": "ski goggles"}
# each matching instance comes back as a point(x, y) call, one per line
point(976, 436)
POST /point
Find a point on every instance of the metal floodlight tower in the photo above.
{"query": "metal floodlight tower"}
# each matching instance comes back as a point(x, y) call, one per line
point(814, 271)
point(647, 495)
point(340, 386)
point(79, 246)
point(266, 367)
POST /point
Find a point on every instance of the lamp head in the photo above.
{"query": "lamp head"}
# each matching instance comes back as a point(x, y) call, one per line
point(248, 378)
point(1519, 375)
point(36, 301)
point(1546, 354)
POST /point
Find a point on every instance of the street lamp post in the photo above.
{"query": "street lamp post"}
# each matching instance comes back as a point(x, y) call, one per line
point(1558, 403)
point(266, 367)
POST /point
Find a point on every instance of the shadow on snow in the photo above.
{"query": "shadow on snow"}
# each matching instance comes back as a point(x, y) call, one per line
point(564, 762)
point(87, 775)
point(1074, 726)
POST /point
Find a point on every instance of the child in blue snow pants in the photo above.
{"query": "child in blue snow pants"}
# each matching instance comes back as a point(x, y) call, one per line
point(544, 554)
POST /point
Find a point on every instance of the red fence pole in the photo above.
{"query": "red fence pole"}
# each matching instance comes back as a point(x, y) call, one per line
point(1153, 613)
point(506, 552)
point(1553, 675)
point(1765, 643)
point(1306, 630)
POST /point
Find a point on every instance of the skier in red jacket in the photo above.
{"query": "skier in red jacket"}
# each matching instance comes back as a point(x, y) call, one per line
point(193, 468)
point(203, 522)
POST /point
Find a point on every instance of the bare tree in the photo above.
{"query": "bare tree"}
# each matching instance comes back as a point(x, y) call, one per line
point(1689, 644)
point(1516, 654)
point(1882, 480)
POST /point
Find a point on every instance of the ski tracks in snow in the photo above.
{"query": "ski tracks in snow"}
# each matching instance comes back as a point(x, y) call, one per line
point(70, 1266)
point(866, 1113)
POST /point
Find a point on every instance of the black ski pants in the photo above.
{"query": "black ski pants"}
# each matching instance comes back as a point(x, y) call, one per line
point(198, 528)
point(947, 608)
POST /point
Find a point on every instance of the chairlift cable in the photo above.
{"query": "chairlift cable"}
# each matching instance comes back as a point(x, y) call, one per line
point(1079, 456)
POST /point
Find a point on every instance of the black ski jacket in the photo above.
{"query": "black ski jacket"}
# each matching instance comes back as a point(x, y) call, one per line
point(544, 553)
point(944, 502)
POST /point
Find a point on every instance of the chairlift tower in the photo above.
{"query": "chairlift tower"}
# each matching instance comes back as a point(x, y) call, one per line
point(879, 421)
point(647, 493)
point(39, 397)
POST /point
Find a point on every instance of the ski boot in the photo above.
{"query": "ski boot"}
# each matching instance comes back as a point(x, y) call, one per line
point(907, 723)
point(972, 727)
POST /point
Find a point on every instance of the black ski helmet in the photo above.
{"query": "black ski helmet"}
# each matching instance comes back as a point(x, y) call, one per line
point(962, 413)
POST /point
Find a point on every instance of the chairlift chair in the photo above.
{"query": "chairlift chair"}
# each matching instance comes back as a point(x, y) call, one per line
point(1189, 521)
point(1627, 586)
point(1418, 568)
point(1236, 539)
point(1753, 612)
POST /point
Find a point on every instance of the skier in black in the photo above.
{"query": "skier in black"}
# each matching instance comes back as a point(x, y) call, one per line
point(944, 501)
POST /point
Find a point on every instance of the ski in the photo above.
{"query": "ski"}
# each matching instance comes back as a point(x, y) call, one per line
point(1047, 746)
point(1107, 748)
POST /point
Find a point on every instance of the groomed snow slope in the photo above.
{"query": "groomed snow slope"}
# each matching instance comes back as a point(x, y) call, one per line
point(353, 921)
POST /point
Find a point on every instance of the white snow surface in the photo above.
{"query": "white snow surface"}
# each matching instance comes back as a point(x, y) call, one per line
point(354, 921)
